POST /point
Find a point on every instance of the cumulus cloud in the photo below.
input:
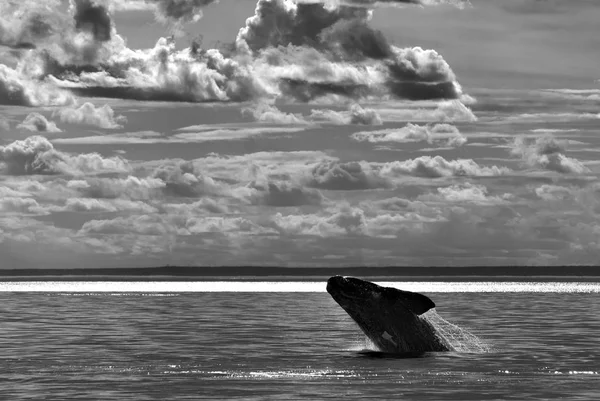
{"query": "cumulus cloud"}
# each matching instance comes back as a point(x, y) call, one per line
point(442, 134)
point(103, 117)
point(334, 175)
point(36, 155)
point(24, 23)
point(18, 89)
point(346, 220)
point(130, 187)
point(267, 113)
point(282, 194)
point(553, 192)
point(20, 205)
point(356, 114)
point(437, 166)
point(38, 123)
point(546, 152)
point(184, 178)
point(301, 51)
point(466, 192)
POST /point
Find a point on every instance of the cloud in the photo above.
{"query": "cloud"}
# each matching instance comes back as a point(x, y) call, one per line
point(103, 117)
point(38, 123)
point(170, 228)
point(24, 23)
point(203, 206)
point(282, 194)
point(226, 134)
point(4, 124)
point(442, 134)
point(466, 192)
point(19, 90)
point(437, 166)
point(90, 205)
point(334, 175)
point(164, 73)
point(264, 112)
point(130, 187)
point(547, 153)
point(93, 18)
point(301, 51)
point(445, 111)
point(116, 139)
point(36, 155)
point(20, 205)
point(399, 3)
point(267, 113)
point(553, 192)
point(549, 117)
point(576, 94)
point(355, 115)
point(136, 224)
point(347, 220)
point(185, 179)
point(179, 11)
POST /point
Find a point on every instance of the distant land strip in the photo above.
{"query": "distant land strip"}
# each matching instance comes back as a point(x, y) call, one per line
point(407, 273)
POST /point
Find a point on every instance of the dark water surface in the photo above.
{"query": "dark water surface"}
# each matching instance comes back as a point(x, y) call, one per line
point(272, 345)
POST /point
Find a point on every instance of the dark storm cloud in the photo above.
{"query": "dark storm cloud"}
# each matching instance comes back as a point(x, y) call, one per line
point(301, 51)
point(180, 10)
point(279, 22)
point(93, 18)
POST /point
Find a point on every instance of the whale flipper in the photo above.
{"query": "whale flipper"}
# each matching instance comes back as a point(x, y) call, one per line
point(413, 301)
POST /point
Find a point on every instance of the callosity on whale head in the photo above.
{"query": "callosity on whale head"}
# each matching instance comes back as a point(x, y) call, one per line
point(388, 316)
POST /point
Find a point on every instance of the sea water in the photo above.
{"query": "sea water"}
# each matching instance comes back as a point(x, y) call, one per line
point(210, 340)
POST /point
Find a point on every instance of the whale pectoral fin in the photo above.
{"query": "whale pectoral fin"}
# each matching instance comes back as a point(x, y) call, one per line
point(388, 337)
point(413, 301)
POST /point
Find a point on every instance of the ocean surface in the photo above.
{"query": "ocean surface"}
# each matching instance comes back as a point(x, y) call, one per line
point(254, 341)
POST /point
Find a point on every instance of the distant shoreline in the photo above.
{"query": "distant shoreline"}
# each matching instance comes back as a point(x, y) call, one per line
point(113, 278)
point(254, 273)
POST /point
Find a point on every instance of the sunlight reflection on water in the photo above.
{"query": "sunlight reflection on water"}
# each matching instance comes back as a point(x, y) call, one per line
point(286, 286)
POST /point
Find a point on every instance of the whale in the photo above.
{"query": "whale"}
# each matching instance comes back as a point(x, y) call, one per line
point(389, 317)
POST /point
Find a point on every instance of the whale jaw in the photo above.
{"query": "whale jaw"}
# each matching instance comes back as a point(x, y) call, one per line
point(388, 316)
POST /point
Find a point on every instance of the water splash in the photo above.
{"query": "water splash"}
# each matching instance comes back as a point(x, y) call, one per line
point(461, 340)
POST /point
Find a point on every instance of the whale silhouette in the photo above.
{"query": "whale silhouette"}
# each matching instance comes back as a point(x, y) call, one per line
point(388, 316)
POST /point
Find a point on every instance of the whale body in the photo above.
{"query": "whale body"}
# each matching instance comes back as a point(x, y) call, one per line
point(388, 316)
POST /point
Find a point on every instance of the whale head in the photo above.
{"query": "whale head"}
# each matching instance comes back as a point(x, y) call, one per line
point(388, 316)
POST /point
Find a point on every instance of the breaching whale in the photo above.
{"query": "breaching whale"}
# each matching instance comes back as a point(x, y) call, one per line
point(388, 316)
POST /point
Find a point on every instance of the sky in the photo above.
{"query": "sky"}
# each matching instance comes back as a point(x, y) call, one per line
point(299, 133)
